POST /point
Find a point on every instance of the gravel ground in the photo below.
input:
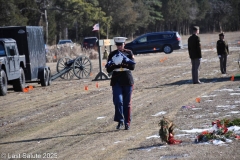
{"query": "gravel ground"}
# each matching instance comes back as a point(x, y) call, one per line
point(64, 121)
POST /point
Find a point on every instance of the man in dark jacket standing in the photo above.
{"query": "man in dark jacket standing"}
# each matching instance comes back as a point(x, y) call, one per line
point(195, 54)
point(222, 51)
point(121, 62)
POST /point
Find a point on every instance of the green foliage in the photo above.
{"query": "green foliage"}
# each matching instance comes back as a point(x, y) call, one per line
point(29, 10)
point(10, 15)
point(166, 127)
point(235, 122)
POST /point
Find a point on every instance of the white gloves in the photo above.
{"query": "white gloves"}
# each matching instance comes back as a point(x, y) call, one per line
point(117, 59)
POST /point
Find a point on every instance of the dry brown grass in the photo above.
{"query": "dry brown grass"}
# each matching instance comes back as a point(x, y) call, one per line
point(55, 53)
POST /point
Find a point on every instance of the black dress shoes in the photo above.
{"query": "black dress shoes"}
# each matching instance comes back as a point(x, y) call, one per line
point(127, 127)
point(198, 82)
point(120, 125)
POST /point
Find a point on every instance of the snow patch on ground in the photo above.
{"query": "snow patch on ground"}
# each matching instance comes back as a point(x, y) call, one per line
point(196, 108)
point(194, 130)
point(117, 142)
point(148, 149)
point(229, 90)
point(174, 156)
point(226, 106)
point(218, 142)
point(234, 128)
point(181, 135)
point(234, 112)
point(153, 136)
point(210, 95)
point(235, 94)
point(101, 117)
point(208, 100)
point(159, 113)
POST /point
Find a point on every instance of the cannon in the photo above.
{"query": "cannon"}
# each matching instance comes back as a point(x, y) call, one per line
point(67, 68)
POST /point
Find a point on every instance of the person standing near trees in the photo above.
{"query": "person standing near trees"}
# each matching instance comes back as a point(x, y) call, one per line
point(222, 51)
point(105, 53)
point(121, 62)
point(195, 53)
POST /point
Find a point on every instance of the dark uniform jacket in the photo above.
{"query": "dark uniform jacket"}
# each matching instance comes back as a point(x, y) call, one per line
point(122, 77)
point(222, 47)
point(194, 47)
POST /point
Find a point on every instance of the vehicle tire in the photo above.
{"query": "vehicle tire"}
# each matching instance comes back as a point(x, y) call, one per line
point(167, 49)
point(19, 84)
point(44, 80)
point(49, 77)
point(3, 83)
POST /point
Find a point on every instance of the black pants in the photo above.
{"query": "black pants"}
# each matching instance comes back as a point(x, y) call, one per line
point(195, 69)
point(223, 63)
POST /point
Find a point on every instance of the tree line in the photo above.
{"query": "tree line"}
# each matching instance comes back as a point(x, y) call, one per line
point(74, 19)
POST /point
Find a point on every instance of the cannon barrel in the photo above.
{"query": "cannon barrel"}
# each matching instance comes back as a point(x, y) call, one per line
point(59, 74)
point(69, 63)
point(81, 67)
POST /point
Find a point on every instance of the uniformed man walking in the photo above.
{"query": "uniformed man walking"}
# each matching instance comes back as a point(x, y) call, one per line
point(222, 51)
point(195, 54)
point(105, 53)
point(121, 62)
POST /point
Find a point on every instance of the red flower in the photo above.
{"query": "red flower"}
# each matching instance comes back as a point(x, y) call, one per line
point(225, 130)
point(205, 132)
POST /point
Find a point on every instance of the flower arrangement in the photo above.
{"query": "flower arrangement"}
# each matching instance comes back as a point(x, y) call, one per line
point(219, 131)
point(166, 131)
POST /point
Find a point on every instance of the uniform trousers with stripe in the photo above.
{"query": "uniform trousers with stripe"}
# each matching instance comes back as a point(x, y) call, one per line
point(122, 101)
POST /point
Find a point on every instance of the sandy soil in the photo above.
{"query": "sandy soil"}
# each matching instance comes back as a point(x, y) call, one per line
point(64, 121)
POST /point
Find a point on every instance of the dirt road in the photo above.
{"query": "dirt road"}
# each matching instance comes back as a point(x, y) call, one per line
point(64, 121)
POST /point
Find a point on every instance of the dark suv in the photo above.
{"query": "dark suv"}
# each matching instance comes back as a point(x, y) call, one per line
point(90, 43)
point(156, 42)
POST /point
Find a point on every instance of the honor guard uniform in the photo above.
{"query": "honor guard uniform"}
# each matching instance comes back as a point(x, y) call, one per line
point(222, 51)
point(121, 62)
point(105, 54)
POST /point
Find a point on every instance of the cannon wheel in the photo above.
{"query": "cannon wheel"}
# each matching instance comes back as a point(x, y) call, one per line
point(82, 67)
point(61, 65)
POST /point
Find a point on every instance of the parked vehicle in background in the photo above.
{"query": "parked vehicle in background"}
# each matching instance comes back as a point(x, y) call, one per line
point(156, 42)
point(90, 43)
point(22, 58)
point(65, 42)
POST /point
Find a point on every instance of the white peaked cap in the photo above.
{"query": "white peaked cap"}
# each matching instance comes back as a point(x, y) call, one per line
point(119, 39)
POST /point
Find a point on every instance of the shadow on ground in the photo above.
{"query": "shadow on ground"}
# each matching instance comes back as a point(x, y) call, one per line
point(63, 136)
point(148, 147)
point(204, 80)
